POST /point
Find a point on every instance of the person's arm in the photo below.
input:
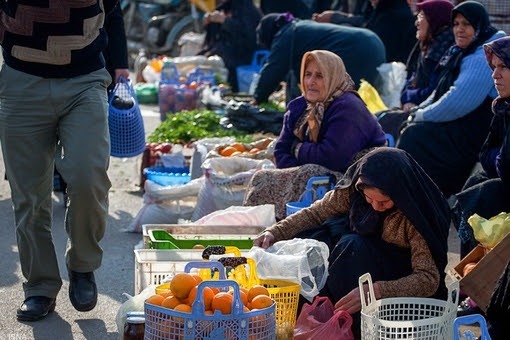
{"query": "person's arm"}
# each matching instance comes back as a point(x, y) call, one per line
point(503, 159)
point(116, 54)
point(109, 5)
point(424, 279)
point(333, 203)
point(493, 145)
point(275, 68)
point(283, 153)
point(469, 90)
point(348, 127)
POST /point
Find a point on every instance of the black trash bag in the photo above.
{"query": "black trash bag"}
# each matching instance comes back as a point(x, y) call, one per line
point(251, 119)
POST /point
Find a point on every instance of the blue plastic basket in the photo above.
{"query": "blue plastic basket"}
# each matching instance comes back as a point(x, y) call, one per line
point(127, 132)
point(246, 73)
point(168, 176)
point(163, 323)
point(316, 188)
point(468, 334)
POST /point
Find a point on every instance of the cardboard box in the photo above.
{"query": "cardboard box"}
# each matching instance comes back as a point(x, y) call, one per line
point(479, 284)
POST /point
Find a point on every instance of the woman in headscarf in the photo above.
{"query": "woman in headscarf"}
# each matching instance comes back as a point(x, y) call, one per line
point(323, 132)
point(230, 33)
point(487, 192)
point(396, 229)
point(446, 131)
point(288, 39)
point(434, 36)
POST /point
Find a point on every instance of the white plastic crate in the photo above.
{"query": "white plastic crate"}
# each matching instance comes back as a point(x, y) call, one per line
point(153, 266)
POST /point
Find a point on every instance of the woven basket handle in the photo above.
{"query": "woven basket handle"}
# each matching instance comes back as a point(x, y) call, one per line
point(367, 298)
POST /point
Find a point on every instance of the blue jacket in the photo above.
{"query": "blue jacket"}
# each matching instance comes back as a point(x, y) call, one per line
point(347, 128)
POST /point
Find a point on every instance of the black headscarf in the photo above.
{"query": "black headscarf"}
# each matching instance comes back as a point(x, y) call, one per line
point(397, 174)
point(477, 15)
point(269, 25)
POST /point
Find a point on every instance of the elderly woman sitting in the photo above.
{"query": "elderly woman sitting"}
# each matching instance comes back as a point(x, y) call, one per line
point(323, 132)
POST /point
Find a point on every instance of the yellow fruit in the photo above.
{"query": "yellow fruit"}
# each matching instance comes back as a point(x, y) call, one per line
point(257, 290)
point(155, 299)
point(222, 302)
point(181, 285)
point(261, 302)
point(227, 151)
point(171, 302)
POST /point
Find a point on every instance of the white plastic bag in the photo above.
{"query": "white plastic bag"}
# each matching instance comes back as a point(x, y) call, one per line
point(132, 304)
point(260, 215)
point(299, 260)
point(165, 204)
point(393, 77)
point(226, 181)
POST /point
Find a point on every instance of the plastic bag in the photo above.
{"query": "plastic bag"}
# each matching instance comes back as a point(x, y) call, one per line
point(393, 77)
point(490, 232)
point(260, 215)
point(319, 321)
point(132, 304)
point(298, 260)
point(226, 181)
point(371, 97)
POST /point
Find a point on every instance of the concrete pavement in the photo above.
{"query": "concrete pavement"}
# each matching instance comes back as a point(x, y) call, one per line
point(115, 277)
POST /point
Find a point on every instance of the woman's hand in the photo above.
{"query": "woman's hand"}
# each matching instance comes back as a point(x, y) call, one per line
point(351, 303)
point(264, 240)
point(323, 17)
point(408, 106)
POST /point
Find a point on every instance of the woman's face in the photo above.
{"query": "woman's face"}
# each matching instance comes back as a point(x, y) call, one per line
point(463, 31)
point(422, 26)
point(501, 76)
point(379, 201)
point(315, 87)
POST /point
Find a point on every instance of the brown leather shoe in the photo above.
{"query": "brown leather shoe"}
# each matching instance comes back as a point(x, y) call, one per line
point(82, 290)
point(35, 308)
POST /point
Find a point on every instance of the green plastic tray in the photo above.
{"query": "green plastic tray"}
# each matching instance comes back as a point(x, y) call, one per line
point(162, 239)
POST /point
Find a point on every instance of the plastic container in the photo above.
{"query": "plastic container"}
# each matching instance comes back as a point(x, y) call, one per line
point(125, 123)
point(246, 73)
point(161, 239)
point(163, 323)
point(466, 333)
point(154, 266)
point(168, 176)
point(406, 318)
point(284, 293)
point(316, 188)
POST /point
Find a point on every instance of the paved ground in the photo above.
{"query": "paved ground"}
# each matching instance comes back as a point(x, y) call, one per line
point(115, 277)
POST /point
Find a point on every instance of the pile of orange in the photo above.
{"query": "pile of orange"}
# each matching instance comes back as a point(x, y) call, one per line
point(183, 293)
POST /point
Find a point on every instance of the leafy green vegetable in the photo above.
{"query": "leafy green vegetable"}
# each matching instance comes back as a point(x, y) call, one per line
point(188, 126)
point(271, 106)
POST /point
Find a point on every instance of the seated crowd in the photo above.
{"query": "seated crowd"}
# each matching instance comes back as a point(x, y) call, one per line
point(391, 209)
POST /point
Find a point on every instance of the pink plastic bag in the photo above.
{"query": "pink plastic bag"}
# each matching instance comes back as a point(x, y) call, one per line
point(319, 321)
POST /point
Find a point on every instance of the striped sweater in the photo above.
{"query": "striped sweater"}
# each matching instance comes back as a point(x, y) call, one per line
point(54, 38)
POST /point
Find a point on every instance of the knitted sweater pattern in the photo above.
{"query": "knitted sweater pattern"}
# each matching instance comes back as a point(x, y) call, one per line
point(54, 38)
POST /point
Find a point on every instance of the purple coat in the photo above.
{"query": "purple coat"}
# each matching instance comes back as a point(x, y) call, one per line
point(347, 128)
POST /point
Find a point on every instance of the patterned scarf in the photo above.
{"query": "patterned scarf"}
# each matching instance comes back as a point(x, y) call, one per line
point(337, 81)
